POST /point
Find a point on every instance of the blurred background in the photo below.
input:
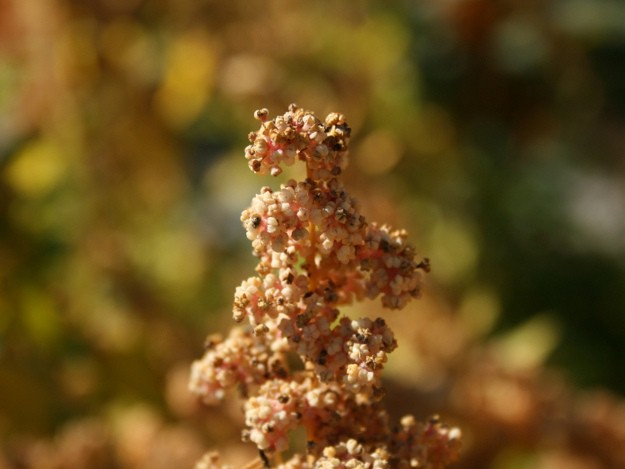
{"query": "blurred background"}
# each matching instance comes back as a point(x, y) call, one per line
point(494, 131)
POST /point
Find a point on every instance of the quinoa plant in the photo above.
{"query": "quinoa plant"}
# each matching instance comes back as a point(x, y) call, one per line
point(317, 253)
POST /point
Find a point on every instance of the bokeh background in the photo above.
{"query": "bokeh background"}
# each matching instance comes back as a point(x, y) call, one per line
point(493, 130)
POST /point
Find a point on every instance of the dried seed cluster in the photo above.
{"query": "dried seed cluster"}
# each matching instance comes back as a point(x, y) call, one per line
point(241, 360)
point(317, 252)
point(298, 134)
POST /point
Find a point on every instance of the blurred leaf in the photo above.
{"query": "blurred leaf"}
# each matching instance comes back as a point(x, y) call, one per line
point(36, 168)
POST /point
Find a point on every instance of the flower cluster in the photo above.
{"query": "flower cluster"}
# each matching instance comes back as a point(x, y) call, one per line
point(317, 252)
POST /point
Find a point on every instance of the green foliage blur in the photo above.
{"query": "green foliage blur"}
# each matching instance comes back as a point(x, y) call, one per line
point(492, 130)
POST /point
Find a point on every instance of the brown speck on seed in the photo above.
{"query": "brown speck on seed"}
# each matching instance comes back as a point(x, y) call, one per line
point(261, 114)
